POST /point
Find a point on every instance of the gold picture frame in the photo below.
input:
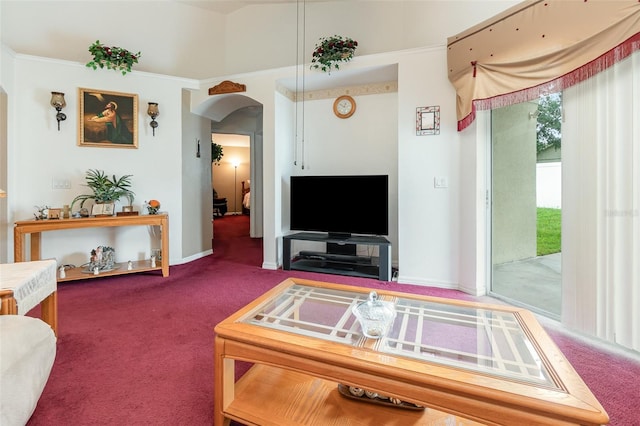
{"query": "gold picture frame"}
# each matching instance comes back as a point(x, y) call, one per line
point(107, 119)
point(103, 209)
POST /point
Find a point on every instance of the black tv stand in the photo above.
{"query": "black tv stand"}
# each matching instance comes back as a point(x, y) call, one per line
point(339, 256)
point(333, 257)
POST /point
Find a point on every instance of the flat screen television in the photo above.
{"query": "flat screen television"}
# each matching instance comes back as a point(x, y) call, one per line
point(340, 205)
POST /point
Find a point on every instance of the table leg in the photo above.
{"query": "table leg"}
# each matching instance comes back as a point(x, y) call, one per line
point(224, 383)
point(8, 304)
point(35, 246)
point(164, 234)
point(18, 246)
point(49, 311)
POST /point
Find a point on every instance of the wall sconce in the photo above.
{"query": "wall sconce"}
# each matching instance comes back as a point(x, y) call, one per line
point(153, 113)
point(57, 101)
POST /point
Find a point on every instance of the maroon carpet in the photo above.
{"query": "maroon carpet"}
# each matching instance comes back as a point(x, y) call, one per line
point(138, 349)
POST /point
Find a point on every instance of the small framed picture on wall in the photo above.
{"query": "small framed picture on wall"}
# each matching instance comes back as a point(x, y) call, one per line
point(428, 120)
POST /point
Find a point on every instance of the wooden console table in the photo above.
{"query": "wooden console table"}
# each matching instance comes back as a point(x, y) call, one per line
point(34, 228)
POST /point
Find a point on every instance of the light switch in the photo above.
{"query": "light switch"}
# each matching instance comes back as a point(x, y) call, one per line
point(58, 183)
point(440, 182)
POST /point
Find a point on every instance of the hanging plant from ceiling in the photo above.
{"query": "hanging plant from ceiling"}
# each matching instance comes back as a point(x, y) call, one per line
point(330, 51)
point(112, 57)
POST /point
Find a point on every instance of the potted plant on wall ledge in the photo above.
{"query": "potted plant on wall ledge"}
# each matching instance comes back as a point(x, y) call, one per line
point(330, 51)
point(106, 190)
point(115, 58)
point(216, 153)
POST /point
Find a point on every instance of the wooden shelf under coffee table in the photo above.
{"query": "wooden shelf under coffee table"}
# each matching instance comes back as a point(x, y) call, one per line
point(466, 362)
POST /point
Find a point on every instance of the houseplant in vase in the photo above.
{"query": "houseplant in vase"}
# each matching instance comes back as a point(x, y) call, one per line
point(106, 190)
point(330, 51)
point(216, 153)
point(112, 57)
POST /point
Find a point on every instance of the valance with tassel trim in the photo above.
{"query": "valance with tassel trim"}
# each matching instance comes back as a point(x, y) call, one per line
point(538, 47)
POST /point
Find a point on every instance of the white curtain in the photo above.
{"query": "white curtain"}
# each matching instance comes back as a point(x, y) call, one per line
point(600, 207)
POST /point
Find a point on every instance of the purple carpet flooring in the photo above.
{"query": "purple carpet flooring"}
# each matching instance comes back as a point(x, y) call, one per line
point(138, 349)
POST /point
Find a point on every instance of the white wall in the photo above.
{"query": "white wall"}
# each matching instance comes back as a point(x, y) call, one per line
point(474, 218)
point(429, 218)
point(195, 228)
point(174, 38)
point(378, 26)
point(364, 144)
point(426, 246)
point(379, 138)
point(6, 80)
point(549, 185)
point(39, 153)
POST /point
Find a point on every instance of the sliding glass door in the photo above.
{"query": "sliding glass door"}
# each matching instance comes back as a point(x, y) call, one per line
point(525, 205)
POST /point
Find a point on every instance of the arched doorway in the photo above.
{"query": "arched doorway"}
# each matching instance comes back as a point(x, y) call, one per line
point(241, 115)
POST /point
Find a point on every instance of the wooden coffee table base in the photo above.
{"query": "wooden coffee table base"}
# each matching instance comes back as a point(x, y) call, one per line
point(297, 364)
point(272, 396)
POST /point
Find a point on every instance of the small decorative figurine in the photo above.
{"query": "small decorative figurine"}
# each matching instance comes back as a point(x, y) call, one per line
point(42, 212)
point(153, 261)
point(62, 273)
point(152, 206)
point(129, 265)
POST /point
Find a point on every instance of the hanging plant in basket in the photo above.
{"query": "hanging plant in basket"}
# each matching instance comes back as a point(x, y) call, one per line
point(114, 58)
point(330, 51)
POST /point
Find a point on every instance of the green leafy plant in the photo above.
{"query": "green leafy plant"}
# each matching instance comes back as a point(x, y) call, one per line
point(114, 58)
point(216, 153)
point(549, 122)
point(105, 189)
point(330, 51)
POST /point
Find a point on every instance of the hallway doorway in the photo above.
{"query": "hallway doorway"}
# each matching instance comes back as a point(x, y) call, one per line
point(237, 117)
point(230, 177)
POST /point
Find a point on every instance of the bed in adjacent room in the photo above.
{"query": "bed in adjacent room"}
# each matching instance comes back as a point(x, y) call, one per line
point(246, 197)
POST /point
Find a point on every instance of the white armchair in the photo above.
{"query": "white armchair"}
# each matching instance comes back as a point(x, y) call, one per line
point(27, 353)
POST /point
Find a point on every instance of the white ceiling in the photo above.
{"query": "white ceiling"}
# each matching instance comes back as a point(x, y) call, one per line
point(228, 6)
point(231, 140)
point(305, 81)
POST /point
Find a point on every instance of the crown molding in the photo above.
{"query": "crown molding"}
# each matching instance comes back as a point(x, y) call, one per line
point(361, 90)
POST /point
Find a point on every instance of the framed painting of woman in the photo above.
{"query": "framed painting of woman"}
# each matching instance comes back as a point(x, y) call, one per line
point(108, 119)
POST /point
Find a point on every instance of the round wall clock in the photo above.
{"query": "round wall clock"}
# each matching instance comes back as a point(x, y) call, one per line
point(344, 106)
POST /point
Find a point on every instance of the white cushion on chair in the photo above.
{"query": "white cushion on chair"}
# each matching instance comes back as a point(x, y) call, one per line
point(27, 352)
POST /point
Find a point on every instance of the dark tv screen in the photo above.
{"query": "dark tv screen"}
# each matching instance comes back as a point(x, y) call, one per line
point(353, 204)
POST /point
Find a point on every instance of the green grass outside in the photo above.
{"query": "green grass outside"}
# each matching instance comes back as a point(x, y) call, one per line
point(549, 237)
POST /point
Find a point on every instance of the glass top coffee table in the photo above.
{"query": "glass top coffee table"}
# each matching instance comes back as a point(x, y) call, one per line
point(468, 363)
